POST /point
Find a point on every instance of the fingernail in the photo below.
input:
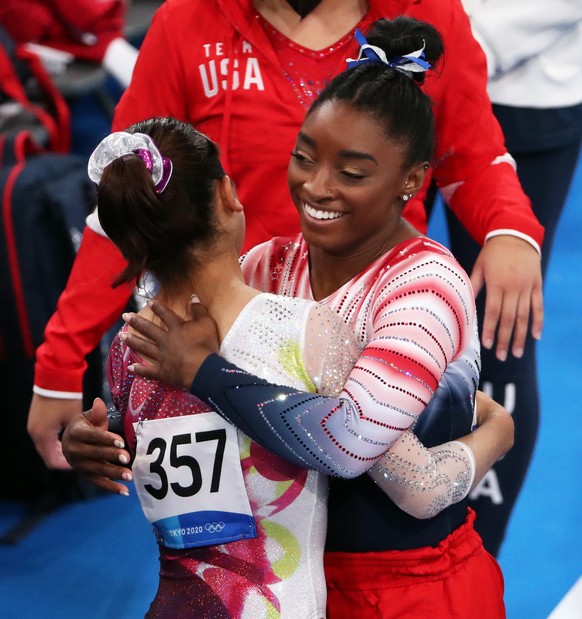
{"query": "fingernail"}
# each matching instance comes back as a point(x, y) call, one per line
point(502, 356)
point(123, 459)
point(127, 476)
point(131, 368)
point(126, 316)
point(123, 336)
point(119, 443)
point(488, 343)
point(194, 299)
point(537, 335)
point(518, 353)
point(124, 492)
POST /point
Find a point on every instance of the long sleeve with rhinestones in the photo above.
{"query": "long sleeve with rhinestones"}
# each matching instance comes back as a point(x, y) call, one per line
point(413, 311)
point(424, 481)
point(320, 356)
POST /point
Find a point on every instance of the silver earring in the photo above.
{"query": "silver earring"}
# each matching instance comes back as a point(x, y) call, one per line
point(406, 197)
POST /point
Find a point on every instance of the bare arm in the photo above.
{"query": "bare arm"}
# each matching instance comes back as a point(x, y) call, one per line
point(493, 437)
point(86, 309)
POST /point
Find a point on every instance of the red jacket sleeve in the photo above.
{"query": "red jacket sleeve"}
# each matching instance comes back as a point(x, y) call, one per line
point(510, 208)
point(487, 196)
point(87, 308)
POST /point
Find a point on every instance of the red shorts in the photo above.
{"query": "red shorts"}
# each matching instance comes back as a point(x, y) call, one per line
point(458, 579)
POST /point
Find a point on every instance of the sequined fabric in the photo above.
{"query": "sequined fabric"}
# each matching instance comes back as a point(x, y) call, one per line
point(280, 573)
point(307, 71)
point(421, 481)
point(413, 311)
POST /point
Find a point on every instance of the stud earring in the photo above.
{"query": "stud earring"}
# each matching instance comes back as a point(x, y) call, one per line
point(406, 197)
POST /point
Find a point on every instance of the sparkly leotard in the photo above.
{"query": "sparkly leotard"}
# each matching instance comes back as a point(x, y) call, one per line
point(413, 311)
point(278, 573)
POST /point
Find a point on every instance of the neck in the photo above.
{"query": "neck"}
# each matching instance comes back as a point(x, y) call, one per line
point(303, 7)
point(219, 284)
point(329, 271)
point(326, 24)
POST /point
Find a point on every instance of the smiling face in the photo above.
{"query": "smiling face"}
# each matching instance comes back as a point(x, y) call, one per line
point(346, 181)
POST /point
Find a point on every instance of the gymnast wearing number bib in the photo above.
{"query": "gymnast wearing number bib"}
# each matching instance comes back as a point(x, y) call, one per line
point(244, 528)
point(241, 531)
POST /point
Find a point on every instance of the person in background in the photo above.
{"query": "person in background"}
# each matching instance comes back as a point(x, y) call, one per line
point(362, 151)
point(245, 73)
point(534, 66)
point(182, 222)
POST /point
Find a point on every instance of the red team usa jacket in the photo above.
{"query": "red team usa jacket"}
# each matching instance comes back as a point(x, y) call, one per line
point(212, 64)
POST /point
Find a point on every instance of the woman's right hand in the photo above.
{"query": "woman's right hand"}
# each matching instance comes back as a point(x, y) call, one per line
point(96, 453)
point(176, 350)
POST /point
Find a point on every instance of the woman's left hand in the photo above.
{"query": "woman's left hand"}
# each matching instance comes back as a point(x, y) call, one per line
point(510, 269)
point(176, 350)
point(95, 452)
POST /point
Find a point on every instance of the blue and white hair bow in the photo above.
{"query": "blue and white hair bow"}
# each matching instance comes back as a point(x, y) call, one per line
point(409, 63)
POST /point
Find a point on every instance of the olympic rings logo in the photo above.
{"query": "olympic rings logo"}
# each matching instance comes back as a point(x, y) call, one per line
point(214, 527)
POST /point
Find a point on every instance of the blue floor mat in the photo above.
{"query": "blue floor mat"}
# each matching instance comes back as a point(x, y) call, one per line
point(98, 560)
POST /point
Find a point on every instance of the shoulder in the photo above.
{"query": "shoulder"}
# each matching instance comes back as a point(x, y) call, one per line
point(184, 7)
point(447, 16)
point(423, 264)
point(439, 14)
point(265, 262)
point(461, 50)
point(419, 250)
point(191, 20)
point(277, 245)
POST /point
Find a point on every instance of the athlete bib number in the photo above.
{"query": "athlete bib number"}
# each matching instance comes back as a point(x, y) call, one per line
point(189, 481)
